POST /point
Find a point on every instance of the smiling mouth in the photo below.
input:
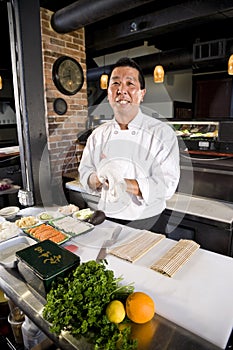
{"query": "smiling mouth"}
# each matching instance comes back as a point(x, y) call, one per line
point(122, 102)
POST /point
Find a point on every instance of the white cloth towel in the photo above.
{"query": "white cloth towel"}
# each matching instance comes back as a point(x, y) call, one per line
point(114, 185)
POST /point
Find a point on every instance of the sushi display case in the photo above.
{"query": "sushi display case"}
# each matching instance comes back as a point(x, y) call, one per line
point(213, 136)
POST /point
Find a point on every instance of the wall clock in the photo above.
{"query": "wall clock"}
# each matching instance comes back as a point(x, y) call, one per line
point(60, 106)
point(67, 75)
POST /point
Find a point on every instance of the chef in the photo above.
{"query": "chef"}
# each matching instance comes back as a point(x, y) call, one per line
point(132, 161)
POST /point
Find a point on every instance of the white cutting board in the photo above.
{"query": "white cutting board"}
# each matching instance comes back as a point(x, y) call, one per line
point(199, 297)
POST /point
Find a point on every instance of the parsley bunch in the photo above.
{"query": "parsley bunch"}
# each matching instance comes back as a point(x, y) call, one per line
point(78, 306)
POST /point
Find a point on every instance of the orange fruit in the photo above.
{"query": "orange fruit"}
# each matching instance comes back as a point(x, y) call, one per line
point(140, 307)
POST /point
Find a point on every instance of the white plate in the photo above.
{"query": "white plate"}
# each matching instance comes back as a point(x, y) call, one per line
point(10, 247)
point(67, 210)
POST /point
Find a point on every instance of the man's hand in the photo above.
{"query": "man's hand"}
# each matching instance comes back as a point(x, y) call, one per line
point(132, 187)
point(94, 182)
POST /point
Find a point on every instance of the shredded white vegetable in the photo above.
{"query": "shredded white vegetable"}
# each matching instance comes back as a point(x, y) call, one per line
point(7, 230)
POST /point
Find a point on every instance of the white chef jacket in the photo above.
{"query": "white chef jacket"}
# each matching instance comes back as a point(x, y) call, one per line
point(147, 151)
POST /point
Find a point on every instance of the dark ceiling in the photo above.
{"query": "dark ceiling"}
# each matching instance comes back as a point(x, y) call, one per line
point(166, 25)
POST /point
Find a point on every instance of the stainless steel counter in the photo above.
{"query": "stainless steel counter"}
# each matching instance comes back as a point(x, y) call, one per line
point(167, 335)
point(207, 221)
point(207, 176)
point(189, 204)
point(171, 295)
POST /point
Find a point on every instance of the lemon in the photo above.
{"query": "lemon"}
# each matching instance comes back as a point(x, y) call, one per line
point(115, 311)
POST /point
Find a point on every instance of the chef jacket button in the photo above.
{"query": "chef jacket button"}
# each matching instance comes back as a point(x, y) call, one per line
point(115, 132)
point(133, 132)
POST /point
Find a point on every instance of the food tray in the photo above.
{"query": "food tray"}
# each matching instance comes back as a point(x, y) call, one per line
point(9, 247)
point(45, 263)
point(46, 231)
point(72, 227)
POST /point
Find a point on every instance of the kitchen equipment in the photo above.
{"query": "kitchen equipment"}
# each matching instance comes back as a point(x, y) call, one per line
point(108, 243)
point(83, 135)
point(16, 319)
point(225, 136)
point(9, 247)
point(206, 158)
point(199, 135)
point(10, 302)
point(32, 335)
point(45, 263)
point(4, 311)
point(25, 197)
point(8, 135)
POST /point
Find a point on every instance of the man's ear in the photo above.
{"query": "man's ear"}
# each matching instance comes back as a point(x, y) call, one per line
point(143, 92)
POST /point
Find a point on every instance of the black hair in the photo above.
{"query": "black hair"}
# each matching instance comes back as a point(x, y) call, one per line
point(128, 62)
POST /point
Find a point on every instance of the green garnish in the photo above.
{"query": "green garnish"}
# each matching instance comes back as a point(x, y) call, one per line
point(46, 216)
point(78, 306)
point(84, 214)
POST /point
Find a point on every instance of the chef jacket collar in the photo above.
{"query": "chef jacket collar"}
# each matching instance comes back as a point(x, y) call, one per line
point(135, 124)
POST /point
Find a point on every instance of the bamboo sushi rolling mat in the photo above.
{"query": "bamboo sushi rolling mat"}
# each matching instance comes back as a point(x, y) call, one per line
point(134, 249)
point(176, 257)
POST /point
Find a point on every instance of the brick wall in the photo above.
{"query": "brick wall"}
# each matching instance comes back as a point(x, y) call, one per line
point(62, 129)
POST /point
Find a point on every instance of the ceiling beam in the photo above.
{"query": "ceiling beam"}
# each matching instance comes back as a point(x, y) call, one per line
point(82, 12)
point(148, 26)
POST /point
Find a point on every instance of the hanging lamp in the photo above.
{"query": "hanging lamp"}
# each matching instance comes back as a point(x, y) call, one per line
point(230, 65)
point(0, 82)
point(104, 79)
point(159, 74)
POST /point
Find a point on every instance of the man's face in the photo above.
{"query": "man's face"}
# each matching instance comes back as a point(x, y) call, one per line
point(124, 92)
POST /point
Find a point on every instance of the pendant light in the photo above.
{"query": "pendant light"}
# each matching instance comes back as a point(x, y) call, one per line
point(159, 74)
point(104, 79)
point(230, 65)
point(0, 82)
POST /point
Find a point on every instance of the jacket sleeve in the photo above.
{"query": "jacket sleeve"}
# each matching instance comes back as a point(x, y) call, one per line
point(164, 173)
point(87, 164)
